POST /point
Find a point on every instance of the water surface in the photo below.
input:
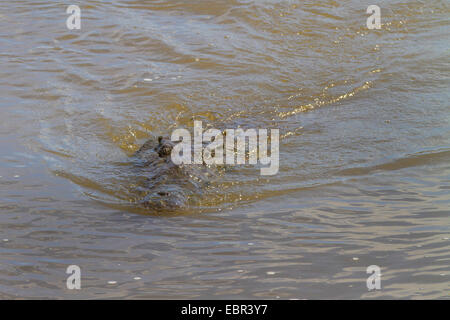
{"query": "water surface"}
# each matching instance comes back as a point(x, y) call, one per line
point(364, 156)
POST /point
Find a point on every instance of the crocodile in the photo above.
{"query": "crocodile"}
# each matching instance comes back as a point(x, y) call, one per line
point(167, 185)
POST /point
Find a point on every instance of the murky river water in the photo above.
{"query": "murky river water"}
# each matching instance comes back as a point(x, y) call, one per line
point(364, 151)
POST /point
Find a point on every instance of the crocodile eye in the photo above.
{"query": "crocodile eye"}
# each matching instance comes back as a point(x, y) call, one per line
point(164, 150)
point(162, 193)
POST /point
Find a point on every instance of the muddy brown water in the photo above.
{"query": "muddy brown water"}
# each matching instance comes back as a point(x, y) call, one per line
point(364, 157)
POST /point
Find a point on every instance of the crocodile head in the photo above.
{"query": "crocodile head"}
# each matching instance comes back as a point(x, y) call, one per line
point(168, 186)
